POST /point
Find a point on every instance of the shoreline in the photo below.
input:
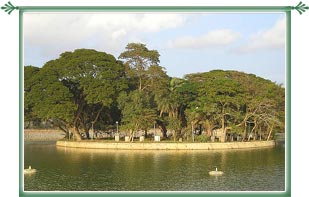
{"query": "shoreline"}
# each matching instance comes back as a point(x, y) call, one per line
point(165, 145)
point(42, 135)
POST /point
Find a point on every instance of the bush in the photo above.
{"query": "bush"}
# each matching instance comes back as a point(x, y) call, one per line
point(201, 138)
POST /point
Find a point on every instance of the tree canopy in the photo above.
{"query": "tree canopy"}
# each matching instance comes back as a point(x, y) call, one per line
point(87, 90)
point(74, 89)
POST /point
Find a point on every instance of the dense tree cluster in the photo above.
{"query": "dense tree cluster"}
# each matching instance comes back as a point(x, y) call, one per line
point(87, 90)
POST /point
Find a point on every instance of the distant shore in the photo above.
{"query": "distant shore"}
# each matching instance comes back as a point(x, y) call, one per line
point(43, 135)
point(164, 145)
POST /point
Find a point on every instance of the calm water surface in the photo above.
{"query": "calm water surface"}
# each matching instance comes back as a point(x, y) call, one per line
point(70, 169)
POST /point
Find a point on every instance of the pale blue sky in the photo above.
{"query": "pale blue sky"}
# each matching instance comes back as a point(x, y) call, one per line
point(187, 42)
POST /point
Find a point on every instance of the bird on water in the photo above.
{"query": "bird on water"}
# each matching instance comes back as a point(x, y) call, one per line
point(216, 172)
point(30, 170)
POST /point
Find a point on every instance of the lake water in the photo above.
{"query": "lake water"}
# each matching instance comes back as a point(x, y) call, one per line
point(70, 169)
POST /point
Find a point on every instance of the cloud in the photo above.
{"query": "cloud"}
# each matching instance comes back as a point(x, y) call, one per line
point(270, 39)
point(215, 38)
point(54, 33)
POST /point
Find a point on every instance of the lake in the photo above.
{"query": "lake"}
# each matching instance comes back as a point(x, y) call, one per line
point(71, 169)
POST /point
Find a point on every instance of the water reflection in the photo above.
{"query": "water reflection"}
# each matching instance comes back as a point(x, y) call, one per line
point(74, 169)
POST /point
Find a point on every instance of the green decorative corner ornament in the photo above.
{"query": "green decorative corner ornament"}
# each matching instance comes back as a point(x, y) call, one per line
point(9, 7)
point(300, 8)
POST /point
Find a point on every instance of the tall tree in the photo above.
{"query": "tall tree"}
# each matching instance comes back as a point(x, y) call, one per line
point(100, 76)
point(173, 102)
point(145, 75)
point(78, 80)
point(219, 96)
point(137, 112)
point(30, 74)
point(243, 102)
point(139, 58)
point(52, 100)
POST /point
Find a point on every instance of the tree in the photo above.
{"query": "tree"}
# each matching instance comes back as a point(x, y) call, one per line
point(221, 96)
point(264, 106)
point(86, 89)
point(137, 113)
point(173, 102)
point(145, 75)
point(174, 124)
point(238, 101)
point(101, 78)
point(76, 82)
point(51, 99)
point(30, 73)
point(139, 58)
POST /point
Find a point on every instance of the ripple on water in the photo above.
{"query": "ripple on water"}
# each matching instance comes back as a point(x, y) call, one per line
point(70, 170)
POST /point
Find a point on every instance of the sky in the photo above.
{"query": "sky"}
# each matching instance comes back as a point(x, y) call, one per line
point(187, 42)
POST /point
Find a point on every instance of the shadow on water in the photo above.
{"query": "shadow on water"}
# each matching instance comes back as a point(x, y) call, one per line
point(71, 169)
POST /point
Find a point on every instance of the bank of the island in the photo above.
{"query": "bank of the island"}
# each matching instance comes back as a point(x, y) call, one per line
point(164, 145)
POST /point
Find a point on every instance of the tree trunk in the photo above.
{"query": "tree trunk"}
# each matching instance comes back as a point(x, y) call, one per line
point(162, 128)
point(87, 134)
point(270, 131)
point(93, 123)
point(245, 131)
point(131, 137)
point(76, 134)
point(63, 129)
point(208, 132)
point(174, 135)
point(253, 129)
point(86, 129)
point(223, 130)
point(140, 83)
point(255, 125)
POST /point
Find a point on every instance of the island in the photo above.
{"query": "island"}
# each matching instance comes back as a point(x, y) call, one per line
point(98, 101)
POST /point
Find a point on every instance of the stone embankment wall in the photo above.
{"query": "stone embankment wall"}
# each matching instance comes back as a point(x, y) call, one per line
point(42, 135)
point(165, 145)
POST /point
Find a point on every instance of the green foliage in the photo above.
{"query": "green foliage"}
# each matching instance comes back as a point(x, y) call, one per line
point(201, 138)
point(48, 95)
point(231, 99)
point(30, 73)
point(174, 124)
point(139, 59)
point(87, 89)
point(136, 111)
point(98, 75)
point(75, 88)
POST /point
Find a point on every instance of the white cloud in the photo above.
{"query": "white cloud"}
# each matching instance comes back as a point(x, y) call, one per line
point(53, 33)
point(273, 38)
point(150, 22)
point(119, 34)
point(215, 38)
point(156, 22)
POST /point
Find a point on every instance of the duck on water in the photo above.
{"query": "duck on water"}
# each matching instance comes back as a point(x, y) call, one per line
point(216, 172)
